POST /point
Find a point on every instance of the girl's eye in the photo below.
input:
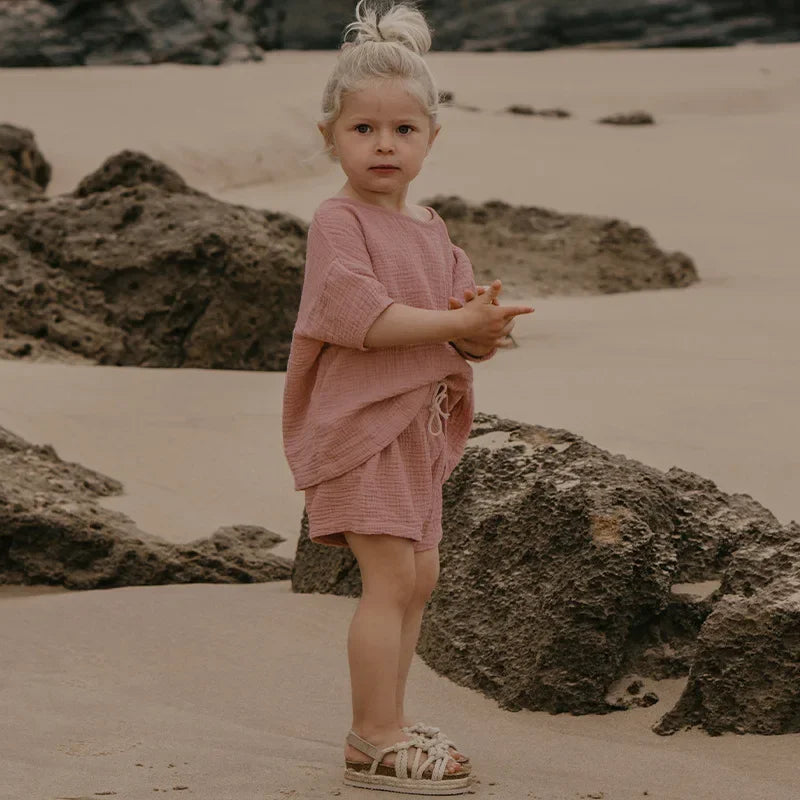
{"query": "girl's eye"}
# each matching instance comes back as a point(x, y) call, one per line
point(364, 125)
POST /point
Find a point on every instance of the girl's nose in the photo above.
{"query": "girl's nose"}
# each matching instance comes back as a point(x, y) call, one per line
point(385, 144)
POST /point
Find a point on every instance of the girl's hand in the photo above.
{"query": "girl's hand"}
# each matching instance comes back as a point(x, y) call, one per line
point(487, 327)
point(470, 345)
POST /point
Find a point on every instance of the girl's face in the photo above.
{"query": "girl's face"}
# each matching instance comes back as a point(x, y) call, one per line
point(382, 124)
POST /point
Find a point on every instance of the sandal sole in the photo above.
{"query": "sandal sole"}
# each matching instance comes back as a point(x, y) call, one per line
point(391, 783)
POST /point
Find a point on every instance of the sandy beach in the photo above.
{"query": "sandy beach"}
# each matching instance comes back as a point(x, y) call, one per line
point(131, 690)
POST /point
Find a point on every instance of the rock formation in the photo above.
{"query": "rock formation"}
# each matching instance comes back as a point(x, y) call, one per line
point(745, 676)
point(561, 565)
point(52, 531)
point(36, 33)
point(136, 268)
point(545, 252)
point(24, 172)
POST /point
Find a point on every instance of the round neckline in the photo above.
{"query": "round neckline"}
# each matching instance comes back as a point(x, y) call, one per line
point(430, 221)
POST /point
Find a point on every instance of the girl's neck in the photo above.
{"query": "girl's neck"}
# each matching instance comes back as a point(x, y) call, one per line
point(389, 202)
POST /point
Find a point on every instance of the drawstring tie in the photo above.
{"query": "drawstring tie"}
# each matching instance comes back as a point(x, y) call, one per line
point(437, 412)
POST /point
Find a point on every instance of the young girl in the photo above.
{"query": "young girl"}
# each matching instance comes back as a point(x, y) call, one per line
point(378, 400)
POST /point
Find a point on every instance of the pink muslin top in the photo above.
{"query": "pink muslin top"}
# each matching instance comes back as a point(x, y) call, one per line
point(344, 402)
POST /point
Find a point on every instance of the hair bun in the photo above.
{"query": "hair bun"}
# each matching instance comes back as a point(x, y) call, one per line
point(401, 23)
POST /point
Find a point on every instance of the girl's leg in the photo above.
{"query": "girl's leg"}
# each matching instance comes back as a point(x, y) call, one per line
point(427, 568)
point(374, 640)
point(373, 643)
point(427, 574)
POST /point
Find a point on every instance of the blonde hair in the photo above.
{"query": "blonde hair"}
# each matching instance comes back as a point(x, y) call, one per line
point(388, 44)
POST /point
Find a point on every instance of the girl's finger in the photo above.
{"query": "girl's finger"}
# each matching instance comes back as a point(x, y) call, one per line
point(495, 288)
point(511, 311)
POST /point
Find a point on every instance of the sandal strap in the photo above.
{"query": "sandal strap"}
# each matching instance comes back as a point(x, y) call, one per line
point(431, 732)
point(362, 745)
point(437, 752)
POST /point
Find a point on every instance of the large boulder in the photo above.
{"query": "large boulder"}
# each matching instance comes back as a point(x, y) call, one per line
point(548, 252)
point(136, 268)
point(52, 531)
point(24, 171)
point(564, 570)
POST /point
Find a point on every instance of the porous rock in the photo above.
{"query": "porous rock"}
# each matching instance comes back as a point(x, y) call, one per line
point(543, 251)
point(136, 268)
point(745, 676)
point(53, 531)
point(131, 168)
point(24, 171)
point(558, 566)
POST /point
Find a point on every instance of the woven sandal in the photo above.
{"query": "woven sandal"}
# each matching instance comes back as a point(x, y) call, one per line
point(431, 732)
point(402, 776)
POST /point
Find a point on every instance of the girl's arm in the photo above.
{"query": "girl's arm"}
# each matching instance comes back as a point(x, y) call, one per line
point(399, 324)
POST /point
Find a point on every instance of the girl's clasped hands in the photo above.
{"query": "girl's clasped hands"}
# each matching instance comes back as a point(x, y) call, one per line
point(486, 324)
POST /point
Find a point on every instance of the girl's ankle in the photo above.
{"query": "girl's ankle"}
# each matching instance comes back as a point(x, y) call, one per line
point(367, 731)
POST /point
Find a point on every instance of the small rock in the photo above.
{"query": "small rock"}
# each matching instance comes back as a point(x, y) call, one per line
point(630, 118)
point(543, 112)
point(647, 699)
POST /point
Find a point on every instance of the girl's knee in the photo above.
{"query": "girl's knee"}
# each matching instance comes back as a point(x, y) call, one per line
point(427, 574)
point(388, 571)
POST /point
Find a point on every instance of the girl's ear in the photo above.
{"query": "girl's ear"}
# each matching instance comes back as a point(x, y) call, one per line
point(433, 136)
point(329, 143)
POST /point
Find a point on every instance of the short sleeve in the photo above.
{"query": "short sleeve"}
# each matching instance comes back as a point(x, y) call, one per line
point(341, 296)
point(464, 278)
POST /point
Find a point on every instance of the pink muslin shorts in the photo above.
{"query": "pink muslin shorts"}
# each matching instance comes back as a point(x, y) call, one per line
point(397, 491)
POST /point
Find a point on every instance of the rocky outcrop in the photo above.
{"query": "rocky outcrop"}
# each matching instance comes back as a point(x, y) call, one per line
point(52, 531)
point(745, 675)
point(24, 172)
point(563, 572)
point(136, 268)
point(545, 252)
point(545, 24)
point(60, 33)
point(36, 33)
